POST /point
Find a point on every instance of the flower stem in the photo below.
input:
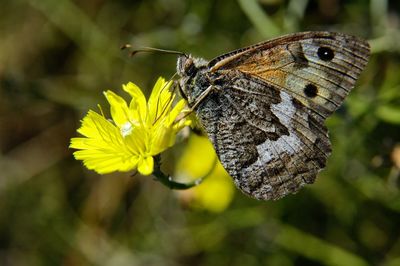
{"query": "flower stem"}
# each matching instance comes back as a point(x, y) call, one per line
point(169, 182)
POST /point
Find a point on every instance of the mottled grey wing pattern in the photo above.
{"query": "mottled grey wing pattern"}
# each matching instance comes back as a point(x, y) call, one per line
point(267, 104)
point(268, 144)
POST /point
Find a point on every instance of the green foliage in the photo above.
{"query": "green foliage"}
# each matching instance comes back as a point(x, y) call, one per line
point(56, 57)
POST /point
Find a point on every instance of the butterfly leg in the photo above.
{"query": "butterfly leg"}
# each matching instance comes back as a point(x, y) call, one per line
point(202, 96)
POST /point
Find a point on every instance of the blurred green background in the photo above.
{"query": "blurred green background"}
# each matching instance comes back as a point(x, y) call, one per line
point(56, 58)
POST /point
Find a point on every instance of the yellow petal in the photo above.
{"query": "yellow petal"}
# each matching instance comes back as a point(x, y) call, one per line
point(119, 108)
point(146, 165)
point(160, 83)
point(96, 126)
point(181, 124)
point(173, 114)
point(138, 103)
point(107, 162)
point(137, 139)
point(161, 139)
point(178, 107)
point(160, 100)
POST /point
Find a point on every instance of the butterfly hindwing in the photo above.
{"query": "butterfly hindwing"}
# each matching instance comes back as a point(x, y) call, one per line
point(270, 146)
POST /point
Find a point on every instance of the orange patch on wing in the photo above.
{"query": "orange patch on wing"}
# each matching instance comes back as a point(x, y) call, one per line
point(267, 66)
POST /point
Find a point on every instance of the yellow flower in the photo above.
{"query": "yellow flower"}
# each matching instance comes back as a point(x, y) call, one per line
point(137, 132)
point(216, 191)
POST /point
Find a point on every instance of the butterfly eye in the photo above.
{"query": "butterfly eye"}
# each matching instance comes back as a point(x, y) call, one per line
point(325, 53)
point(189, 67)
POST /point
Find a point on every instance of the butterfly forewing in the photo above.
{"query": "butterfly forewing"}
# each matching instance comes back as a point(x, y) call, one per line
point(317, 68)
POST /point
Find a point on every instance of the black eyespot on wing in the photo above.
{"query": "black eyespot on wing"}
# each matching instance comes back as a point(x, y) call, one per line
point(325, 53)
point(310, 90)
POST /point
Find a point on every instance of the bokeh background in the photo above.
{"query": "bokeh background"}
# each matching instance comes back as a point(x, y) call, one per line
point(56, 58)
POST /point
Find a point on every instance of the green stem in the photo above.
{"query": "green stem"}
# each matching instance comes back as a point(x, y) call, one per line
point(261, 21)
point(169, 182)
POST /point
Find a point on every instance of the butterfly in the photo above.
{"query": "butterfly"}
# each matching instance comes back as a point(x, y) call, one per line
point(264, 106)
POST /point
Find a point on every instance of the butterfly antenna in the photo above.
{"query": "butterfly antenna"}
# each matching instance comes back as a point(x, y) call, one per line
point(150, 50)
point(156, 50)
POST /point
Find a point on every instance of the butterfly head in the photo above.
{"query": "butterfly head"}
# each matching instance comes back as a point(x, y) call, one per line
point(190, 69)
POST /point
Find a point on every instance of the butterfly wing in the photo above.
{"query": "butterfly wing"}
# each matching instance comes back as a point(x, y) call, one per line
point(266, 120)
point(317, 68)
